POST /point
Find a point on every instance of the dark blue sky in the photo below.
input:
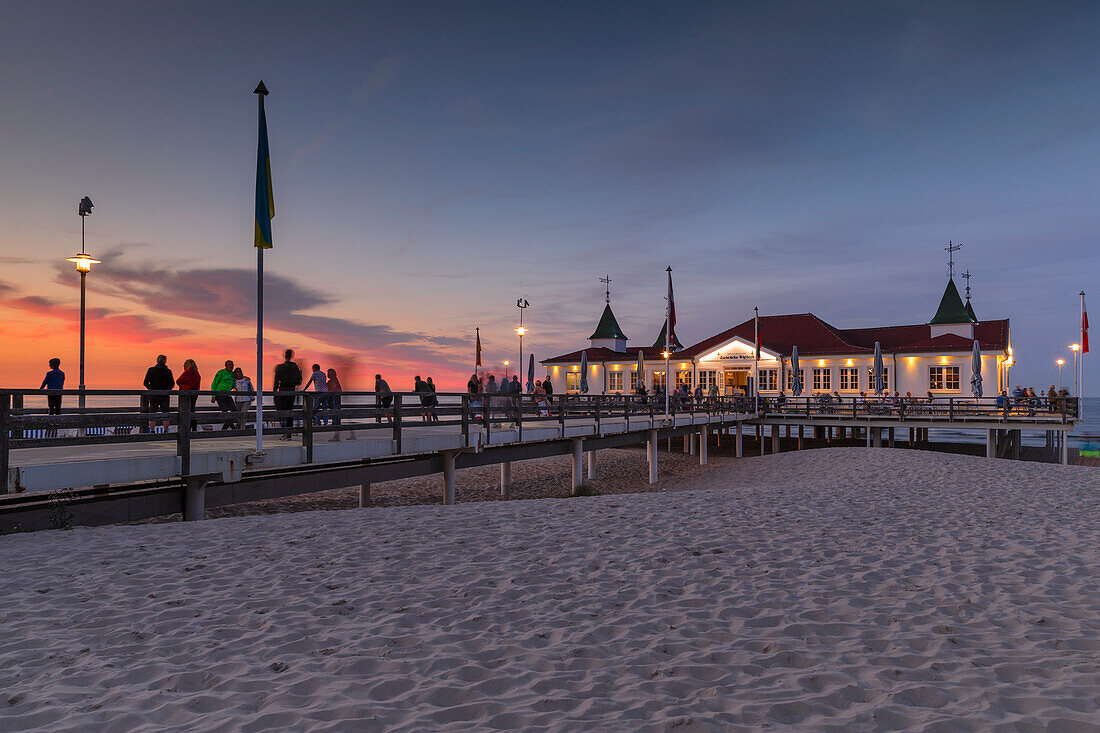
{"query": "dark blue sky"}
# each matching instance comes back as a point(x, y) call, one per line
point(432, 162)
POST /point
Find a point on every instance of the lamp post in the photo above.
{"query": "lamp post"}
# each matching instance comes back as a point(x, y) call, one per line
point(1060, 363)
point(83, 264)
point(505, 370)
point(522, 304)
point(1075, 348)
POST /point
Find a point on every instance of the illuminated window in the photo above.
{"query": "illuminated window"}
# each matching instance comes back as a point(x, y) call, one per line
point(683, 378)
point(885, 379)
point(943, 378)
point(708, 378)
point(769, 380)
point(658, 379)
point(634, 381)
point(823, 379)
point(615, 381)
point(849, 379)
point(572, 382)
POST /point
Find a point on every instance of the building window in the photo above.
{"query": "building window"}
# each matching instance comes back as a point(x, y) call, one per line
point(943, 378)
point(823, 379)
point(572, 382)
point(658, 380)
point(708, 378)
point(683, 378)
point(634, 381)
point(790, 379)
point(615, 381)
point(849, 379)
point(769, 380)
point(885, 379)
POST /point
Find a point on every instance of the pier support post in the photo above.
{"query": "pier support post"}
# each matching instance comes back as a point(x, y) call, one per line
point(591, 465)
point(506, 479)
point(578, 463)
point(775, 438)
point(194, 499)
point(687, 443)
point(910, 437)
point(990, 443)
point(651, 454)
point(1064, 450)
point(364, 495)
point(801, 433)
point(738, 441)
point(876, 437)
point(449, 477)
point(891, 443)
point(867, 434)
point(703, 436)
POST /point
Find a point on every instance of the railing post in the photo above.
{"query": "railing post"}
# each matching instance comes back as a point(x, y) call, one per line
point(1063, 411)
point(950, 409)
point(397, 422)
point(486, 405)
point(561, 415)
point(307, 425)
point(854, 408)
point(466, 420)
point(598, 400)
point(183, 435)
point(17, 411)
point(5, 440)
point(519, 416)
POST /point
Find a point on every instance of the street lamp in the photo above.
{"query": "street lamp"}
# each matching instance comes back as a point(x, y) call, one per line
point(1060, 363)
point(522, 304)
point(83, 264)
point(505, 370)
point(1075, 348)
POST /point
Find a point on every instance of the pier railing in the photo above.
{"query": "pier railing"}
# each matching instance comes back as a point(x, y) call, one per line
point(949, 409)
point(27, 420)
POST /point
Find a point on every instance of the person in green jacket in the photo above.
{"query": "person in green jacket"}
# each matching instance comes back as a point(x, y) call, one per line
point(224, 382)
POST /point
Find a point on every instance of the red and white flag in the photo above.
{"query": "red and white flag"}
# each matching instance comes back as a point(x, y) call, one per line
point(1084, 327)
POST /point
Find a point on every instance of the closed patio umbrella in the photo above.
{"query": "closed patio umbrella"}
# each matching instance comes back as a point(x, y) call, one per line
point(878, 368)
point(584, 372)
point(641, 368)
point(796, 376)
point(976, 366)
point(530, 374)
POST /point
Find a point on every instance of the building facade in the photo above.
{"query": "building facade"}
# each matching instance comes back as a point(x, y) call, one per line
point(934, 357)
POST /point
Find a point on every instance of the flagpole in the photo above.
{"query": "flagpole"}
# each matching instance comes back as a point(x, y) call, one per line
point(668, 339)
point(756, 358)
point(263, 174)
point(1084, 350)
point(260, 346)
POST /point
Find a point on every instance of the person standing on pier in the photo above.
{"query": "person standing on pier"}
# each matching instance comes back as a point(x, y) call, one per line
point(319, 381)
point(243, 395)
point(434, 402)
point(383, 397)
point(334, 391)
point(288, 376)
point(548, 388)
point(190, 381)
point(54, 379)
point(224, 383)
point(159, 378)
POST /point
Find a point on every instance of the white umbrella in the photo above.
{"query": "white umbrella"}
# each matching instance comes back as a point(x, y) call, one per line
point(796, 377)
point(976, 377)
point(878, 368)
point(584, 372)
point(641, 368)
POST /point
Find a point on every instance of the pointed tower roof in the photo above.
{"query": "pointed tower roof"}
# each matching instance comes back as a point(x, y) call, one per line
point(970, 311)
point(660, 342)
point(951, 308)
point(608, 327)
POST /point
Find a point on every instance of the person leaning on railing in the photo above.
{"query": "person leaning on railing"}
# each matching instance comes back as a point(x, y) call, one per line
point(158, 378)
point(288, 376)
point(189, 383)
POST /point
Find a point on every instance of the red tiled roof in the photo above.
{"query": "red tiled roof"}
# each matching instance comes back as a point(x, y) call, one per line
point(814, 336)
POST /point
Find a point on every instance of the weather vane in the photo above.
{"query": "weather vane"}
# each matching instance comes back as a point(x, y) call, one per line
point(966, 276)
point(951, 249)
point(607, 291)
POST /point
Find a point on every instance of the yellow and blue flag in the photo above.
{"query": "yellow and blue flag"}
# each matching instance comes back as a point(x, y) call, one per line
point(265, 199)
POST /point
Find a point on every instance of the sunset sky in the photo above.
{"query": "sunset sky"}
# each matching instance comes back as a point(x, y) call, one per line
point(433, 162)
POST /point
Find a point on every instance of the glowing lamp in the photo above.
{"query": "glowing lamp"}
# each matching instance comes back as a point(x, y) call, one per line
point(521, 330)
point(664, 354)
point(1075, 347)
point(1060, 362)
point(83, 262)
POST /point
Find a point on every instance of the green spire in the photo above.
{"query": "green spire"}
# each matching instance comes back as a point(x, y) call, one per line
point(608, 327)
point(970, 311)
point(951, 308)
point(660, 342)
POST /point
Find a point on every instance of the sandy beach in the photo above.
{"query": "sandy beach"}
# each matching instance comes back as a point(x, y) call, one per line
point(836, 589)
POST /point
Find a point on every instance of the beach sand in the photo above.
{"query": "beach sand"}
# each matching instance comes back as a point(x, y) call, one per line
point(836, 589)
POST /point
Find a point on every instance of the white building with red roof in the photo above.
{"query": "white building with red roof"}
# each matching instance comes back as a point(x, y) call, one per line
point(934, 357)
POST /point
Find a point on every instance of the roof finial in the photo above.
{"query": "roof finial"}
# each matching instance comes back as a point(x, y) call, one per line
point(951, 249)
point(966, 276)
point(607, 291)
